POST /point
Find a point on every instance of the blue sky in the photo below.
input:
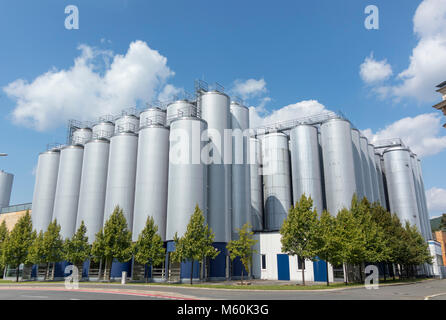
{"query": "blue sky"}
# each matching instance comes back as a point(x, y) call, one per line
point(301, 50)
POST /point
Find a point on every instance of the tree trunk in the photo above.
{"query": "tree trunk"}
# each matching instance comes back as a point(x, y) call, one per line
point(191, 271)
point(110, 269)
point(360, 272)
point(52, 271)
point(303, 272)
point(328, 278)
point(393, 272)
point(47, 271)
point(242, 272)
point(17, 273)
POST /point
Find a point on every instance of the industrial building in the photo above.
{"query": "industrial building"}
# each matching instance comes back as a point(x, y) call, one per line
point(164, 160)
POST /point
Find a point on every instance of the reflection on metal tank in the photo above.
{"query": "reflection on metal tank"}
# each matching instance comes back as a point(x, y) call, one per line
point(215, 111)
point(340, 180)
point(45, 189)
point(401, 189)
point(358, 162)
point(305, 165)
point(366, 168)
point(255, 160)
point(151, 179)
point(121, 175)
point(81, 136)
point(127, 123)
point(67, 189)
point(241, 190)
point(104, 129)
point(424, 202)
point(179, 109)
point(93, 186)
point(382, 193)
point(6, 180)
point(416, 181)
point(187, 174)
point(152, 116)
point(373, 174)
point(276, 179)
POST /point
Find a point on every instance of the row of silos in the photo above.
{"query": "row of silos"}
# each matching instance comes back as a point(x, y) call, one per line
point(6, 180)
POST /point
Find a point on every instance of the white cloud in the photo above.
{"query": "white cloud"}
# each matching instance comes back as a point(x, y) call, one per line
point(373, 71)
point(436, 199)
point(420, 133)
point(250, 88)
point(169, 92)
point(84, 91)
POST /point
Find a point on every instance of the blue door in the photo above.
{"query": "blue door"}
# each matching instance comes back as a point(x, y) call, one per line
point(283, 267)
point(320, 270)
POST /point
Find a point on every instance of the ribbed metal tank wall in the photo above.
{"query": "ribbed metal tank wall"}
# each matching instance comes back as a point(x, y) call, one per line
point(81, 136)
point(151, 179)
point(45, 189)
point(340, 180)
point(373, 174)
point(179, 109)
point(67, 190)
point(366, 168)
point(152, 116)
point(417, 184)
point(382, 192)
point(241, 189)
point(121, 175)
point(276, 179)
point(128, 123)
point(424, 202)
point(187, 174)
point(6, 180)
point(104, 129)
point(400, 186)
point(305, 165)
point(255, 160)
point(93, 186)
point(216, 112)
point(358, 162)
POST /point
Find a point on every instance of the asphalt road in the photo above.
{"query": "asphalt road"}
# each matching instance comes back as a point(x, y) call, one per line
point(431, 289)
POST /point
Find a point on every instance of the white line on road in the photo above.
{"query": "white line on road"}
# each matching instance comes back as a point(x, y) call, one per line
point(434, 295)
point(29, 296)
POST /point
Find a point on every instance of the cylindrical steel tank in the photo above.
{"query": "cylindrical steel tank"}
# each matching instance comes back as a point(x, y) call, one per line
point(255, 160)
point(382, 193)
point(179, 109)
point(215, 111)
point(45, 189)
point(305, 165)
point(93, 186)
point(6, 180)
point(276, 179)
point(424, 202)
point(358, 162)
point(400, 185)
point(127, 123)
point(151, 179)
point(241, 190)
point(366, 168)
point(187, 186)
point(67, 190)
point(339, 172)
point(373, 174)
point(104, 129)
point(416, 180)
point(81, 136)
point(121, 175)
point(152, 116)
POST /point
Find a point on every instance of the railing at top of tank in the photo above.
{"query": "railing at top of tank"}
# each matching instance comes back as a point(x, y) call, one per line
point(102, 134)
point(238, 100)
point(126, 128)
point(153, 120)
point(189, 111)
point(16, 208)
point(388, 143)
point(54, 145)
point(74, 125)
point(105, 118)
point(131, 111)
point(201, 86)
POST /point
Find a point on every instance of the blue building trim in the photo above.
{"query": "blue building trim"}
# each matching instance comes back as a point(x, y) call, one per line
point(217, 266)
point(238, 268)
point(283, 267)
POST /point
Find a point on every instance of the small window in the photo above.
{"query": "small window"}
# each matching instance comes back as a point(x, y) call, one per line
point(300, 263)
point(263, 262)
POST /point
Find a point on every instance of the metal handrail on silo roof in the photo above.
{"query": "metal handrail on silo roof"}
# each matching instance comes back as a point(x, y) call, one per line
point(153, 120)
point(388, 143)
point(54, 145)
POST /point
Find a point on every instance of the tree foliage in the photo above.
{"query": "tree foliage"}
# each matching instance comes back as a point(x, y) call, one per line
point(77, 249)
point(3, 237)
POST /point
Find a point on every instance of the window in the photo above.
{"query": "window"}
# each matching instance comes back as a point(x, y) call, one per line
point(300, 263)
point(263, 262)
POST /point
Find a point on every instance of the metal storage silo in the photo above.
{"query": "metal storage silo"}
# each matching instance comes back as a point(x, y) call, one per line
point(305, 165)
point(339, 173)
point(358, 162)
point(366, 168)
point(241, 190)
point(152, 116)
point(215, 111)
point(104, 129)
point(187, 175)
point(121, 175)
point(67, 189)
point(81, 136)
point(151, 179)
point(373, 173)
point(179, 109)
point(45, 189)
point(414, 166)
point(255, 160)
point(424, 202)
point(127, 123)
point(6, 180)
point(93, 186)
point(400, 186)
point(276, 179)
point(382, 192)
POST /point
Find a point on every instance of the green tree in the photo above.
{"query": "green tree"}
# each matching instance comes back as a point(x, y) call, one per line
point(442, 222)
point(417, 250)
point(36, 254)
point(77, 249)
point(148, 249)
point(299, 231)
point(196, 243)
point(18, 243)
point(113, 241)
point(243, 247)
point(52, 246)
point(3, 236)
